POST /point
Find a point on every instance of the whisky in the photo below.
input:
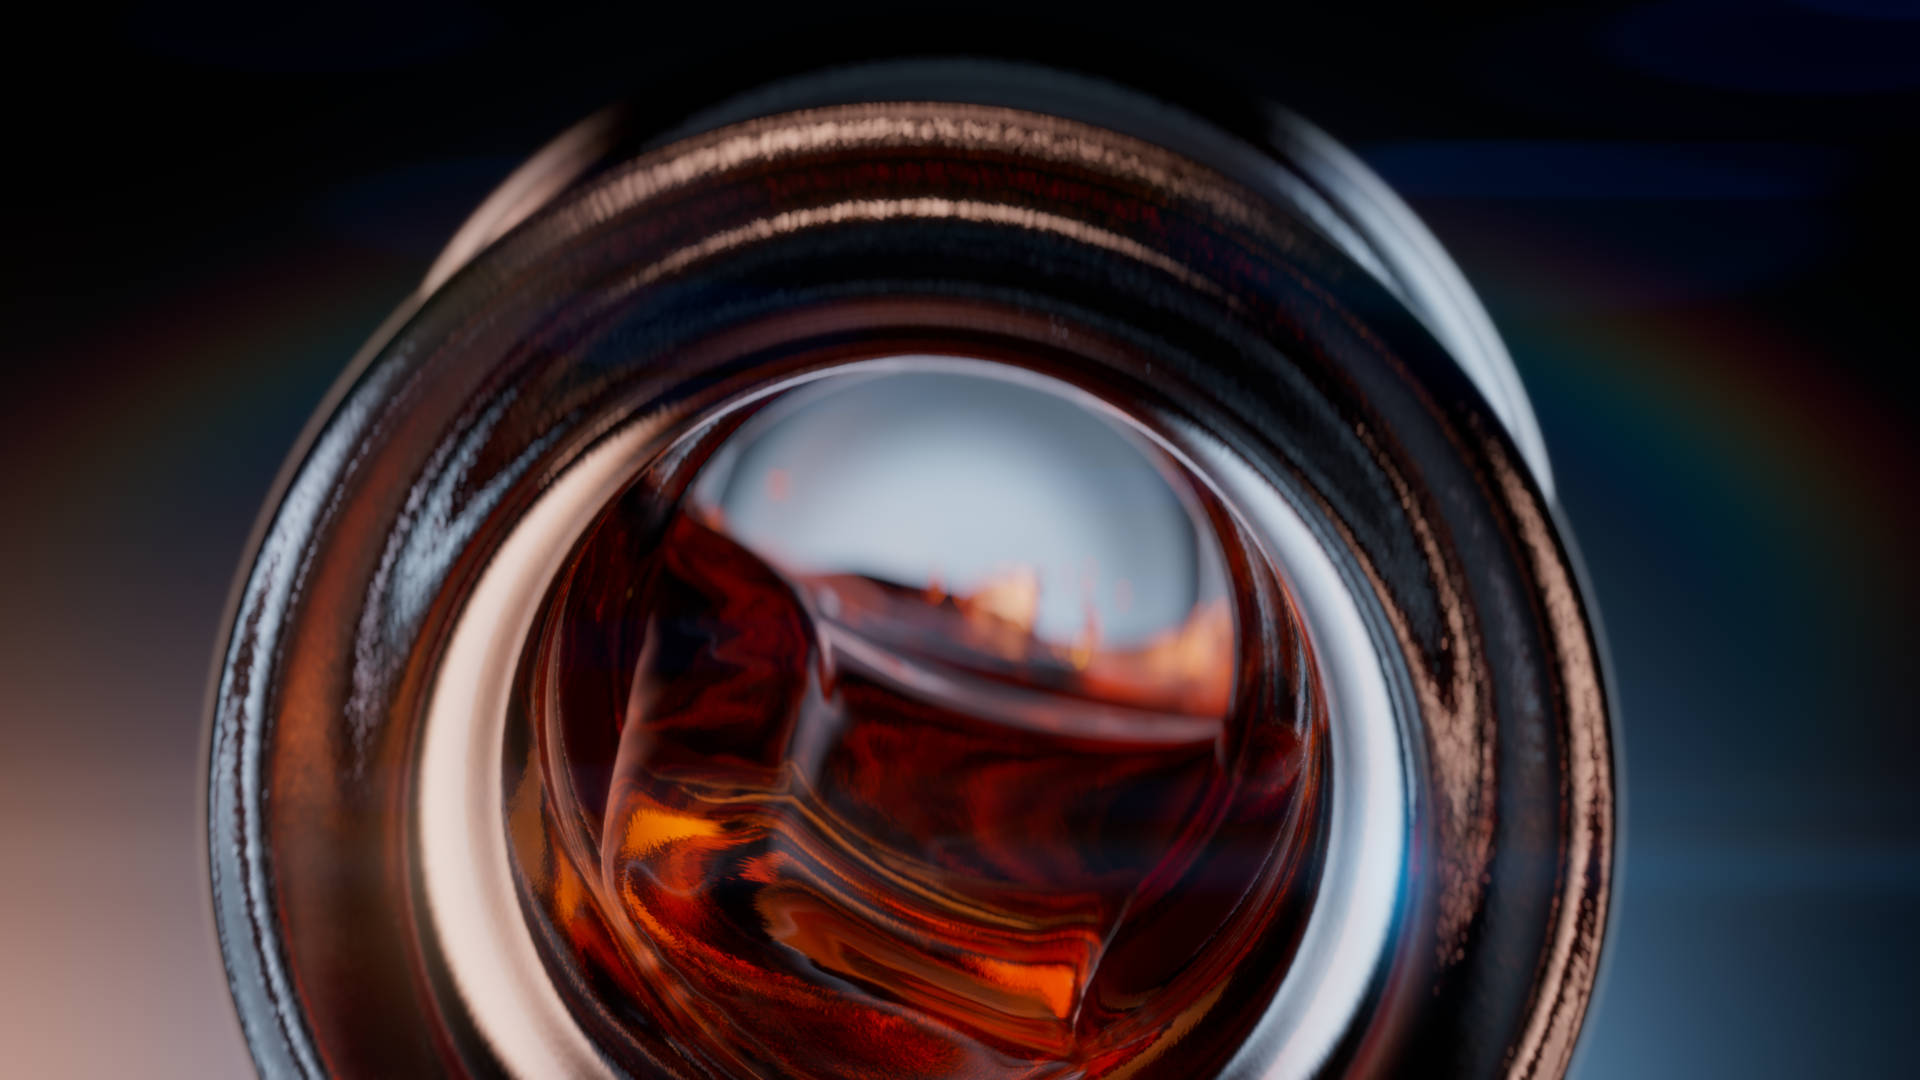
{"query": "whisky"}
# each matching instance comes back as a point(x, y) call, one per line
point(852, 826)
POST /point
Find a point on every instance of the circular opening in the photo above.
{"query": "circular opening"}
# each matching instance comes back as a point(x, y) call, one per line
point(646, 382)
point(926, 719)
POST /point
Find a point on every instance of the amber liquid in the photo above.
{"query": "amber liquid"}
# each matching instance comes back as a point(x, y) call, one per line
point(840, 827)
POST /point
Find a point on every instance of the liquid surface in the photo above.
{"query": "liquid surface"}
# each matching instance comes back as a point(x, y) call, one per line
point(811, 822)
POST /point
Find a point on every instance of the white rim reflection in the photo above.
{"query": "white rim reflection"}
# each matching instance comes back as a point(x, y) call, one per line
point(469, 893)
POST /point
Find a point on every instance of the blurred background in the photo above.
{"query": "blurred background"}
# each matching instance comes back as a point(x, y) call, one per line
point(1691, 219)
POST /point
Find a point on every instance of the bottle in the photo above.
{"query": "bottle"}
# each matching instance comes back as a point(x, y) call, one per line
point(933, 570)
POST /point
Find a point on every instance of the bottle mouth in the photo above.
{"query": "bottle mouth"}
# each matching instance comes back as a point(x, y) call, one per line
point(757, 795)
point(915, 589)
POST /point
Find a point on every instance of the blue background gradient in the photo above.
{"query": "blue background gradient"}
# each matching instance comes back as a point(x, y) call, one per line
point(1692, 220)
